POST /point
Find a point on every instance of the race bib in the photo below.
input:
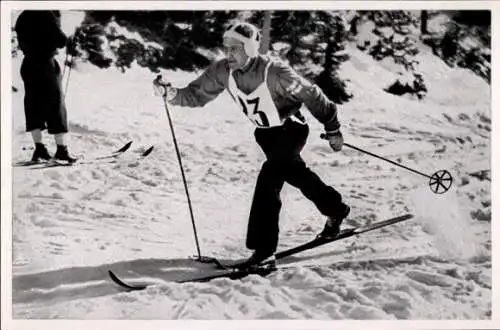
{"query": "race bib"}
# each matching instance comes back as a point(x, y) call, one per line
point(252, 109)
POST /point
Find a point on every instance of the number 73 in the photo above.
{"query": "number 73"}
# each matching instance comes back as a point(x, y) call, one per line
point(258, 117)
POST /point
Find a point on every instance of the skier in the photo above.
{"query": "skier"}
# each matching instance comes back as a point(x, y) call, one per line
point(39, 35)
point(270, 94)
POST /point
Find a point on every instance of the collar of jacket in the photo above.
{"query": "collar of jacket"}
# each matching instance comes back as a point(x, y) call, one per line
point(249, 66)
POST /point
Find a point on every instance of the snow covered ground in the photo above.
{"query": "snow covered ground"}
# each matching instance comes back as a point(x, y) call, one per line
point(72, 224)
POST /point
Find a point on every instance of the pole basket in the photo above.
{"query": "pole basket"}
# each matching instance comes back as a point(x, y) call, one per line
point(440, 182)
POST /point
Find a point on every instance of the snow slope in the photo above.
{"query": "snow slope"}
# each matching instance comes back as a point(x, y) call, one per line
point(72, 224)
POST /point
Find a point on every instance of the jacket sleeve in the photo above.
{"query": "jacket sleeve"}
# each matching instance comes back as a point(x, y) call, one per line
point(50, 25)
point(292, 86)
point(55, 30)
point(39, 32)
point(205, 88)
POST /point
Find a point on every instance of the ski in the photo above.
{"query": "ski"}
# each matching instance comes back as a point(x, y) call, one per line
point(349, 232)
point(117, 152)
point(231, 274)
point(28, 163)
point(112, 155)
point(102, 160)
point(235, 274)
point(130, 287)
point(147, 152)
point(228, 271)
point(113, 158)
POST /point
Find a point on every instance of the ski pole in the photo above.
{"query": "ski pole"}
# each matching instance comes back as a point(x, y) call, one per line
point(69, 74)
point(387, 160)
point(179, 159)
point(64, 68)
point(439, 182)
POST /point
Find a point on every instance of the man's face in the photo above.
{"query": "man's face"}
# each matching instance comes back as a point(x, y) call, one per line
point(235, 53)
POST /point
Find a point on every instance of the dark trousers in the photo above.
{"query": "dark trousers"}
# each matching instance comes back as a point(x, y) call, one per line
point(43, 100)
point(282, 146)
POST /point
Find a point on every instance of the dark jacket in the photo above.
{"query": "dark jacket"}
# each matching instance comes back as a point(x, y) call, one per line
point(39, 33)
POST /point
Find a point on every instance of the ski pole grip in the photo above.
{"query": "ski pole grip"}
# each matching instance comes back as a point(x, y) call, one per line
point(159, 81)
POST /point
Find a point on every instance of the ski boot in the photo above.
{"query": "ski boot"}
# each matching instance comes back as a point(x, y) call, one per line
point(259, 259)
point(40, 153)
point(332, 226)
point(63, 155)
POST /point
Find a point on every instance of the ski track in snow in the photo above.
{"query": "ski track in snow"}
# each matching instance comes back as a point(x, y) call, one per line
point(72, 224)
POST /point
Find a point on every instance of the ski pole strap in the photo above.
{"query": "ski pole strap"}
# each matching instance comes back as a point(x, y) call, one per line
point(164, 88)
point(159, 81)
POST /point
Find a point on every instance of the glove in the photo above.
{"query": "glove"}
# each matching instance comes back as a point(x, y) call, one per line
point(335, 139)
point(164, 88)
